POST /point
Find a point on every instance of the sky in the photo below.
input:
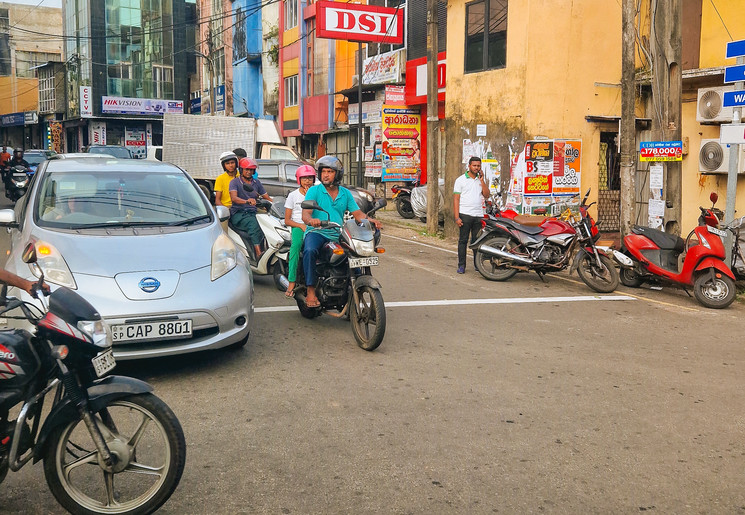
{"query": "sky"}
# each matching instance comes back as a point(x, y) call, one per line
point(44, 3)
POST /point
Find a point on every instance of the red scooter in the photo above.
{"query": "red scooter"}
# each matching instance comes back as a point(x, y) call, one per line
point(655, 255)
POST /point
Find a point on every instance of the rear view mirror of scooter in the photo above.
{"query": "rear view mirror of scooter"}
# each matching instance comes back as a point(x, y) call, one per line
point(310, 204)
point(713, 197)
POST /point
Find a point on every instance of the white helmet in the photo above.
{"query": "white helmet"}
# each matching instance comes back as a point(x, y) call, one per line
point(227, 156)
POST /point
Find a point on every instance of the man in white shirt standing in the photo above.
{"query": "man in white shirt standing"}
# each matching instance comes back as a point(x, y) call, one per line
point(469, 192)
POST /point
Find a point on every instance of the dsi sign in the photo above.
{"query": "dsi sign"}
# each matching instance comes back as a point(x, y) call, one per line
point(356, 22)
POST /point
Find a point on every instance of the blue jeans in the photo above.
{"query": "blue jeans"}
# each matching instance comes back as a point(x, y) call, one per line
point(311, 246)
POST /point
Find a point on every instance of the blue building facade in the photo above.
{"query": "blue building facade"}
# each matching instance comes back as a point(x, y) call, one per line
point(248, 84)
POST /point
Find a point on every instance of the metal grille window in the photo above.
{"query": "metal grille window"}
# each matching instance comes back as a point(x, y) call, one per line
point(46, 90)
point(26, 62)
point(291, 91)
point(290, 14)
point(486, 43)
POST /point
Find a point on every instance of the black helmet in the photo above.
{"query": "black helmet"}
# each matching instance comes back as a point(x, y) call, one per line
point(332, 162)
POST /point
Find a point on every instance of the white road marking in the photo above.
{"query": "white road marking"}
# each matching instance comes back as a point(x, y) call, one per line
point(422, 244)
point(451, 302)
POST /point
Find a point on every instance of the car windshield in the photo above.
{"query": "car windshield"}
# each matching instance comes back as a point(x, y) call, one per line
point(120, 152)
point(77, 200)
point(34, 159)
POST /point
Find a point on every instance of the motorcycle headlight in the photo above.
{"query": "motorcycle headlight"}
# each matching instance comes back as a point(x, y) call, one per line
point(99, 332)
point(364, 248)
point(20, 183)
point(53, 265)
point(224, 257)
point(703, 242)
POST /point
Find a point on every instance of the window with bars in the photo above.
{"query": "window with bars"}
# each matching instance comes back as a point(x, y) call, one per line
point(381, 48)
point(47, 102)
point(486, 43)
point(291, 91)
point(290, 14)
point(26, 62)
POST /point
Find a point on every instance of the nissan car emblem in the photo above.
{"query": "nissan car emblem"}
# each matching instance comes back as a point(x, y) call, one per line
point(149, 284)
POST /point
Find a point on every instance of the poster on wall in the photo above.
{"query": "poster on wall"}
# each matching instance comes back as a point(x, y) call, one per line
point(55, 136)
point(97, 133)
point(136, 141)
point(401, 143)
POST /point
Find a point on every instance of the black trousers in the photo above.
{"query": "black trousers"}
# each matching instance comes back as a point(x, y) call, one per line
point(471, 226)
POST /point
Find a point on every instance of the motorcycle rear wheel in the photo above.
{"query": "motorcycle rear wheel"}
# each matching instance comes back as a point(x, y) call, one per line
point(369, 312)
point(491, 267)
point(144, 434)
point(630, 278)
point(602, 280)
point(715, 294)
point(403, 206)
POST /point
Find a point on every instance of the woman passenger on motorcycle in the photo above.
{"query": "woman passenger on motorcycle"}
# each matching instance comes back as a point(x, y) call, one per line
point(243, 208)
point(305, 176)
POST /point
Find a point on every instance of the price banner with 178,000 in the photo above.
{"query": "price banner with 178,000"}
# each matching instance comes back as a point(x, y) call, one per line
point(661, 151)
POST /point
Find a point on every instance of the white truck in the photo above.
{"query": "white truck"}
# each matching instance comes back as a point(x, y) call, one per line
point(195, 142)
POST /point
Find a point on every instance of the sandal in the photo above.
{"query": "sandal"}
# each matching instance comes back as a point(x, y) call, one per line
point(290, 294)
point(316, 304)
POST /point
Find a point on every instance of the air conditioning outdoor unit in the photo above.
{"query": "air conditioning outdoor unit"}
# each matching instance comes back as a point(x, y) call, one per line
point(709, 107)
point(713, 157)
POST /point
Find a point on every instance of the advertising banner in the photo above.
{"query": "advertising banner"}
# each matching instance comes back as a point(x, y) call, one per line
point(121, 105)
point(661, 151)
point(136, 141)
point(382, 68)
point(356, 22)
point(416, 79)
point(86, 101)
point(13, 119)
point(97, 133)
point(401, 143)
point(220, 98)
point(372, 112)
point(55, 136)
point(395, 95)
point(195, 105)
point(539, 162)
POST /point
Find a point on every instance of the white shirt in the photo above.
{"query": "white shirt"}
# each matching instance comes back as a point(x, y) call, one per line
point(294, 199)
point(471, 195)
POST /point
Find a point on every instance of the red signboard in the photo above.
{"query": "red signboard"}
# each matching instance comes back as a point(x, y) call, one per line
point(356, 22)
point(416, 80)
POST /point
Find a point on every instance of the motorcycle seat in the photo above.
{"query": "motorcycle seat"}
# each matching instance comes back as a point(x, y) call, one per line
point(530, 220)
point(662, 239)
point(520, 227)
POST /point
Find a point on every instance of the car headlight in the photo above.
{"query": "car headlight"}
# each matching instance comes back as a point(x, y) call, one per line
point(364, 248)
point(224, 257)
point(98, 331)
point(53, 265)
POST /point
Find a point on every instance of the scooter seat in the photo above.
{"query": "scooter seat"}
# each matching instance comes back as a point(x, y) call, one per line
point(662, 239)
point(530, 220)
point(520, 227)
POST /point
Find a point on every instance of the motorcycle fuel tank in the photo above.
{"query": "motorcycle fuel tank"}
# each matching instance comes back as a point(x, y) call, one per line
point(19, 362)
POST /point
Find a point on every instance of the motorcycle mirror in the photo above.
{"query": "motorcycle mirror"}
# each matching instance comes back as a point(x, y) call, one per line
point(4, 295)
point(29, 253)
point(381, 203)
point(310, 204)
point(713, 197)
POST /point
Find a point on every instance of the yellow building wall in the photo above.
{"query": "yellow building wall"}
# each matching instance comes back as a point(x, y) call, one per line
point(717, 25)
point(18, 95)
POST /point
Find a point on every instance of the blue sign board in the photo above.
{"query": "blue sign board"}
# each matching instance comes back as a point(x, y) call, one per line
point(736, 48)
point(220, 98)
point(734, 98)
point(195, 106)
point(13, 119)
point(734, 73)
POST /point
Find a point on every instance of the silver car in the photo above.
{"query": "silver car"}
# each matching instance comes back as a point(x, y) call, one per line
point(140, 242)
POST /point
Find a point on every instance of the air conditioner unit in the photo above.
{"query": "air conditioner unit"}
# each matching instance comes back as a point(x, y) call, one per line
point(713, 157)
point(709, 105)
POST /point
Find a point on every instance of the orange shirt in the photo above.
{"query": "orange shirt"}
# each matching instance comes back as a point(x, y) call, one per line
point(5, 157)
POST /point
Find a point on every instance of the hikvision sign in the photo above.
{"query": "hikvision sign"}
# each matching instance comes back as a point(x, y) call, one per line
point(356, 22)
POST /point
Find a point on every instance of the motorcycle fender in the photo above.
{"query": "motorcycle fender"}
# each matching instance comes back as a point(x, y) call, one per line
point(577, 257)
point(100, 393)
point(367, 280)
point(493, 231)
point(718, 264)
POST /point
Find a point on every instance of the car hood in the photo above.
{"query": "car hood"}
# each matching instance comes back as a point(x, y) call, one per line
point(114, 254)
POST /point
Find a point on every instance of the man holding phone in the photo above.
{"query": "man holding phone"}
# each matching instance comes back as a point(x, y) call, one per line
point(469, 192)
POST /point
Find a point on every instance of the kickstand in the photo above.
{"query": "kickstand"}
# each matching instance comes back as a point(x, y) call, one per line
point(686, 290)
point(541, 275)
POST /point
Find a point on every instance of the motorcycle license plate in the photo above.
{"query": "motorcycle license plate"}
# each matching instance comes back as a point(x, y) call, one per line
point(363, 261)
point(162, 330)
point(104, 363)
point(718, 232)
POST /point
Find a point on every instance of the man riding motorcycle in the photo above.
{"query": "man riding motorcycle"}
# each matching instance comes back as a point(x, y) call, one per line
point(18, 160)
point(335, 200)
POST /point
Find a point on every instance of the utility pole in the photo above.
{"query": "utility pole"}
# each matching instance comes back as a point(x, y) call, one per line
point(667, 85)
point(361, 133)
point(211, 68)
point(433, 123)
point(628, 121)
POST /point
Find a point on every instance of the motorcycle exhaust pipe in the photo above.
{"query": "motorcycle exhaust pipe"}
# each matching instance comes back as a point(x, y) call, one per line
point(506, 255)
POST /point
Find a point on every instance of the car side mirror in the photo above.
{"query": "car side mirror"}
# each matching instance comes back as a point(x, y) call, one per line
point(310, 204)
point(8, 218)
point(223, 213)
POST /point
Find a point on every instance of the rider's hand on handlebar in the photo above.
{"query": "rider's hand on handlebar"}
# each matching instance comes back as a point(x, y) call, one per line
point(31, 286)
point(315, 222)
point(375, 222)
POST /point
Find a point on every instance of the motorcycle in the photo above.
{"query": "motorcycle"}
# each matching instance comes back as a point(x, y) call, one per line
point(276, 243)
point(16, 181)
point(402, 196)
point(505, 246)
point(345, 281)
point(655, 255)
point(108, 444)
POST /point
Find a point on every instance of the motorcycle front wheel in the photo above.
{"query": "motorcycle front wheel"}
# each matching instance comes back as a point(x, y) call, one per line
point(368, 318)
point(492, 267)
point(714, 293)
point(403, 206)
point(148, 442)
point(601, 279)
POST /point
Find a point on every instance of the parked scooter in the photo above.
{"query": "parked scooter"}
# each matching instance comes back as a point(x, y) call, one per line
point(656, 254)
point(506, 246)
point(402, 197)
point(16, 181)
point(345, 282)
point(275, 246)
point(108, 444)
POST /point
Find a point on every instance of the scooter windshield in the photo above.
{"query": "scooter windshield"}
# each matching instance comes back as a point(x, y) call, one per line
point(361, 232)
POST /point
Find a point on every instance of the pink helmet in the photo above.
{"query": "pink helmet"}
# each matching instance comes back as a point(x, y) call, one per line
point(247, 163)
point(305, 171)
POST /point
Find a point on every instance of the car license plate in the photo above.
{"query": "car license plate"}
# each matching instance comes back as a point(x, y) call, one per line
point(363, 261)
point(104, 362)
point(718, 232)
point(163, 330)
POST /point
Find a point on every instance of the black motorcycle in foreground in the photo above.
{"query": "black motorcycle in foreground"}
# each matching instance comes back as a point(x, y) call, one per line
point(108, 444)
point(345, 282)
point(15, 180)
